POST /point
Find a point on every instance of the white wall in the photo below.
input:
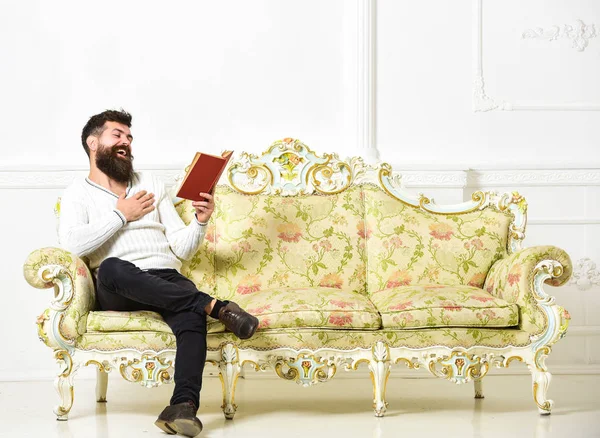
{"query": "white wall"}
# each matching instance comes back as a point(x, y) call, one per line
point(394, 78)
point(226, 74)
point(428, 58)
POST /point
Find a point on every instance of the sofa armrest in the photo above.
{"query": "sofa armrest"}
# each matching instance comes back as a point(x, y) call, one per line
point(74, 297)
point(519, 279)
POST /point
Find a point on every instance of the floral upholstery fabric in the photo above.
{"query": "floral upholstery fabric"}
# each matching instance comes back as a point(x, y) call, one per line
point(311, 307)
point(408, 246)
point(264, 242)
point(143, 320)
point(73, 324)
point(140, 340)
point(512, 280)
point(266, 339)
point(443, 306)
point(347, 340)
point(201, 267)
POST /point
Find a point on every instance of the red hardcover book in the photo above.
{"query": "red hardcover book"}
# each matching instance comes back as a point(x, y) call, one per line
point(203, 175)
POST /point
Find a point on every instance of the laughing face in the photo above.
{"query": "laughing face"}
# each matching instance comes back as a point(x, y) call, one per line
point(113, 154)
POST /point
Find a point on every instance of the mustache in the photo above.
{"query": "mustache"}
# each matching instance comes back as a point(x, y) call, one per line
point(114, 151)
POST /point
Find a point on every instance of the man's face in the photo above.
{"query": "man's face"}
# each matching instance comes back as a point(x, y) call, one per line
point(113, 152)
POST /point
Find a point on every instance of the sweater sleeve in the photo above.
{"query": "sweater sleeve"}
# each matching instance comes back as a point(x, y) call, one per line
point(81, 234)
point(183, 240)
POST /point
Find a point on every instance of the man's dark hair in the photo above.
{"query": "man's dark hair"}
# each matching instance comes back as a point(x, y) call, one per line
point(95, 125)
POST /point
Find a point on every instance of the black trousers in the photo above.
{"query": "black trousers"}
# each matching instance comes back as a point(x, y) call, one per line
point(122, 286)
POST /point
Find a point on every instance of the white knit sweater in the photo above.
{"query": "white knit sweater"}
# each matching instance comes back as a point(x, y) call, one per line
point(90, 225)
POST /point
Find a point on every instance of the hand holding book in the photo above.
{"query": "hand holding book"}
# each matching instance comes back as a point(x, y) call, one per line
point(204, 209)
point(203, 175)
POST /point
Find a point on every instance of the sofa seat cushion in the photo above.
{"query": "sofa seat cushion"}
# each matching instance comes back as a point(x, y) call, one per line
point(311, 308)
point(317, 338)
point(138, 340)
point(141, 320)
point(443, 306)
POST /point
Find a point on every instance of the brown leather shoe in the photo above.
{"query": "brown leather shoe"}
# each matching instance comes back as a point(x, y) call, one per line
point(180, 418)
point(240, 322)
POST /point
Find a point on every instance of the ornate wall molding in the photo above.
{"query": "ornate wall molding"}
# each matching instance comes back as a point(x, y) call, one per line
point(32, 179)
point(564, 221)
point(579, 34)
point(585, 274)
point(366, 22)
point(561, 177)
point(447, 179)
point(59, 179)
point(482, 102)
point(27, 177)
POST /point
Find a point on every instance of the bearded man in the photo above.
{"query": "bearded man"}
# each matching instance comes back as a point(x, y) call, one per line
point(126, 225)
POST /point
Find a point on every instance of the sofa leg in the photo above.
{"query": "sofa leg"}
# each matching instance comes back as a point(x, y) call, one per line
point(541, 381)
point(380, 371)
point(478, 383)
point(64, 384)
point(229, 371)
point(101, 385)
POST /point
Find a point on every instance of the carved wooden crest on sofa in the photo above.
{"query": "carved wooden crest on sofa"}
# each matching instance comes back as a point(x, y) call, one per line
point(342, 267)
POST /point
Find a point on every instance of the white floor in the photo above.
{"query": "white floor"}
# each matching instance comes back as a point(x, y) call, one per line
point(340, 408)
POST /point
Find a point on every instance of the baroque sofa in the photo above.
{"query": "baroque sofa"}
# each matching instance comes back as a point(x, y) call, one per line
point(342, 267)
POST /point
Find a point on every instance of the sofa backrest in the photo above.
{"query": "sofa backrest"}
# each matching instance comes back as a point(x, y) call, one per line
point(408, 245)
point(290, 218)
point(361, 240)
point(271, 241)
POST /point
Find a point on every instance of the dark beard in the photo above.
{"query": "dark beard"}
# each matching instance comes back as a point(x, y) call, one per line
point(113, 166)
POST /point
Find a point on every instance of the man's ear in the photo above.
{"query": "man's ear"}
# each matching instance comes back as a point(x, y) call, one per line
point(92, 143)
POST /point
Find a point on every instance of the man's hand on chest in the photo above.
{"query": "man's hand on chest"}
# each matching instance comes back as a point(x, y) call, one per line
point(136, 207)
